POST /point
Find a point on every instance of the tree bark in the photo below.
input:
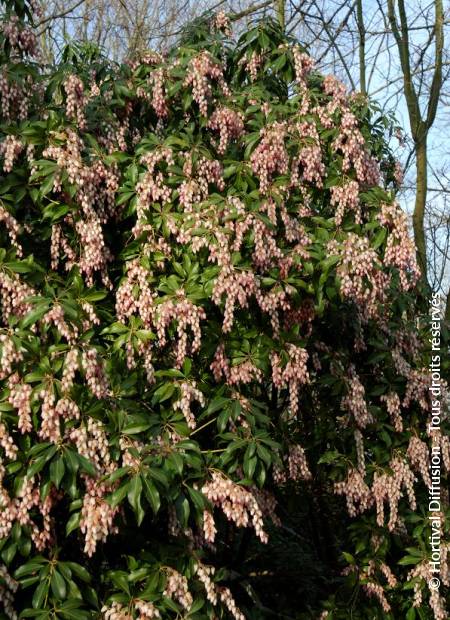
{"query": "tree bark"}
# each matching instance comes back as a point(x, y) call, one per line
point(361, 47)
point(420, 203)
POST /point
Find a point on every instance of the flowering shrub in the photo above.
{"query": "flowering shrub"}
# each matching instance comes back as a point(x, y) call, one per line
point(209, 310)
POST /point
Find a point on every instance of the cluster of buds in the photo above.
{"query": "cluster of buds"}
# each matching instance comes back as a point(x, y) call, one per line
point(158, 93)
point(252, 64)
point(245, 373)
point(354, 402)
point(7, 443)
point(186, 314)
point(115, 611)
point(417, 389)
point(12, 226)
point(177, 588)
point(388, 488)
point(9, 355)
point(50, 427)
point(346, 198)
point(209, 526)
point(95, 373)
point(71, 365)
point(238, 504)
point(10, 149)
point(151, 187)
point(418, 455)
point(59, 242)
point(350, 142)
point(293, 375)
point(229, 124)
point(205, 574)
point(309, 158)
point(360, 454)
point(97, 515)
point(14, 98)
point(202, 68)
point(196, 187)
point(221, 23)
point(236, 287)
point(297, 464)
point(400, 249)
point(94, 255)
point(393, 405)
point(361, 280)
point(14, 292)
point(146, 610)
point(20, 38)
point(357, 494)
point(76, 100)
point(188, 393)
point(92, 443)
point(8, 588)
point(20, 397)
point(303, 64)
point(128, 302)
point(422, 573)
point(228, 601)
point(270, 156)
point(56, 316)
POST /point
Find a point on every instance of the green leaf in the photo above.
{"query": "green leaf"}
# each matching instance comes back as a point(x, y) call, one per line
point(58, 586)
point(134, 497)
point(73, 523)
point(152, 494)
point(57, 469)
point(39, 594)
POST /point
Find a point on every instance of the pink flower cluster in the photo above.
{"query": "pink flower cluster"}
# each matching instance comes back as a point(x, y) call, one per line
point(350, 142)
point(388, 488)
point(186, 314)
point(10, 149)
point(393, 406)
point(362, 281)
point(188, 393)
point(309, 158)
point(94, 371)
point(293, 375)
point(229, 124)
point(76, 100)
point(238, 504)
point(346, 198)
point(177, 588)
point(252, 64)
point(400, 249)
point(13, 228)
point(418, 456)
point(354, 402)
point(158, 93)
point(270, 156)
point(19, 397)
point(357, 494)
point(9, 355)
point(14, 292)
point(202, 68)
point(19, 37)
point(142, 303)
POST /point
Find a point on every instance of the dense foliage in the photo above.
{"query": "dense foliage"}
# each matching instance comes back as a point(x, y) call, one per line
point(214, 374)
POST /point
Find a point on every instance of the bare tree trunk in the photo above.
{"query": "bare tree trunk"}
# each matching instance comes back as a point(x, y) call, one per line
point(362, 47)
point(421, 199)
